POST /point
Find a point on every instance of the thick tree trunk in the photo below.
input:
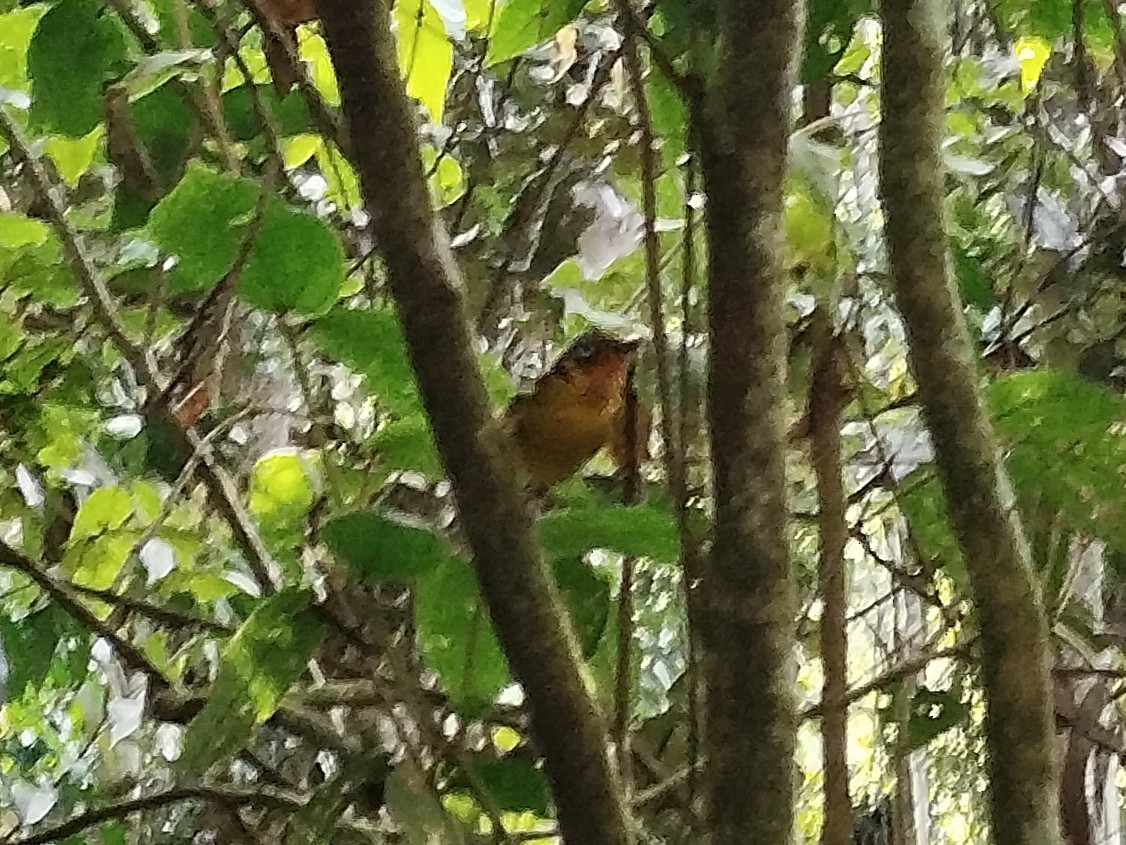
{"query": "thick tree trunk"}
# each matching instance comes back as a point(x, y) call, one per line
point(748, 605)
point(424, 282)
point(1014, 632)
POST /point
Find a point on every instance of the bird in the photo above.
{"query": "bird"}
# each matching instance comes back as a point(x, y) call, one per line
point(576, 409)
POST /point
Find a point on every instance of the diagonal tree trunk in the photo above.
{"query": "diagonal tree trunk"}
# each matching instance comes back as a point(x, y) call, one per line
point(748, 606)
point(1014, 632)
point(424, 283)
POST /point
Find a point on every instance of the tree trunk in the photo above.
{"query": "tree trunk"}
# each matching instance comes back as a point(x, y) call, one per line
point(748, 605)
point(1014, 631)
point(424, 282)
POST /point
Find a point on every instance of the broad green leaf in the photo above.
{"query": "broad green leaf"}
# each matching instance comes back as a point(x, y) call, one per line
point(377, 547)
point(586, 595)
point(516, 784)
point(29, 646)
point(406, 444)
point(73, 156)
point(202, 222)
point(669, 116)
point(290, 112)
point(933, 712)
point(973, 283)
point(151, 72)
point(16, 29)
point(299, 149)
point(66, 98)
point(371, 342)
point(106, 508)
point(19, 231)
point(643, 531)
point(426, 55)
point(314, 51)
point(456, 636)
point(96, 562)
point(522, 24)
point(258, 666)
point(296, 263)
point(828, 31)
point(282, 487)
point(165, 126)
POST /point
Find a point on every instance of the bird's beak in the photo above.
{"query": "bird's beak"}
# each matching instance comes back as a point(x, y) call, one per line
point(629, 347)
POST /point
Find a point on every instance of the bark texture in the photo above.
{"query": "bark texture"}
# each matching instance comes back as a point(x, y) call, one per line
point(424, 282)
point(826, 403)
point(747, 596)
point(1014, 632)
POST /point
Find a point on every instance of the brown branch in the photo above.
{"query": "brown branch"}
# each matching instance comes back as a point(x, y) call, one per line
point(63, 595)
point(424, 282)
point(220, 486)
point(748, 601)
point(826, 403)
point(893, 675)
point(1016, 656)
point(261, 796)
point(156, 612)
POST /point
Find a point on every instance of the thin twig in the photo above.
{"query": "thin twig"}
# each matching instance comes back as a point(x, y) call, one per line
point(63, 595)
point(220, 485)
point(261, 796)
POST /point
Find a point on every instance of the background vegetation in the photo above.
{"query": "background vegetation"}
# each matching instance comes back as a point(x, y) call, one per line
point(268, 627)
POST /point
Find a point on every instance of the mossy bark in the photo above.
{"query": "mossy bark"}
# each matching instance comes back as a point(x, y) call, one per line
point(747, 601)
point(1014, 632)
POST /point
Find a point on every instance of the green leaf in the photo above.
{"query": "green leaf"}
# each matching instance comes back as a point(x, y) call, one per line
point(1066, 458)
point(642, 531)
point(371, 342)
point(296, 263)
point(586, 594)
point(202, 222)
point(456, 636)
point(515, 784)
point(165, 126)
point(281, 488)
point(973, 283)
point(29, 646)
point(96, 562)
point(525, 23)
point(290, 112)
point(19, 231)
point(66, 98)
point(16, 29)
point(152, 71)
point(73, 156)
point(259, 664)
point(406, 444)
point(104, 509)
point(379, 547)
point(426, 56)
point(932, 714)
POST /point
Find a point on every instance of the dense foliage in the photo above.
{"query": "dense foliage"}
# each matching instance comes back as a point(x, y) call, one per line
point(271, 628)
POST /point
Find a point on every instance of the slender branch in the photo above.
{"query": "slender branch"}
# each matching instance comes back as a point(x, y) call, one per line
point(156, 612)
point(220, 486)
point(63, 595)
point(896, 673)
point(425, 283)
point(262, 797)
point(826, 403)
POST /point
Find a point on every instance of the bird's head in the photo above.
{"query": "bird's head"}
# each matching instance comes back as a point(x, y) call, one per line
point(597, 348)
